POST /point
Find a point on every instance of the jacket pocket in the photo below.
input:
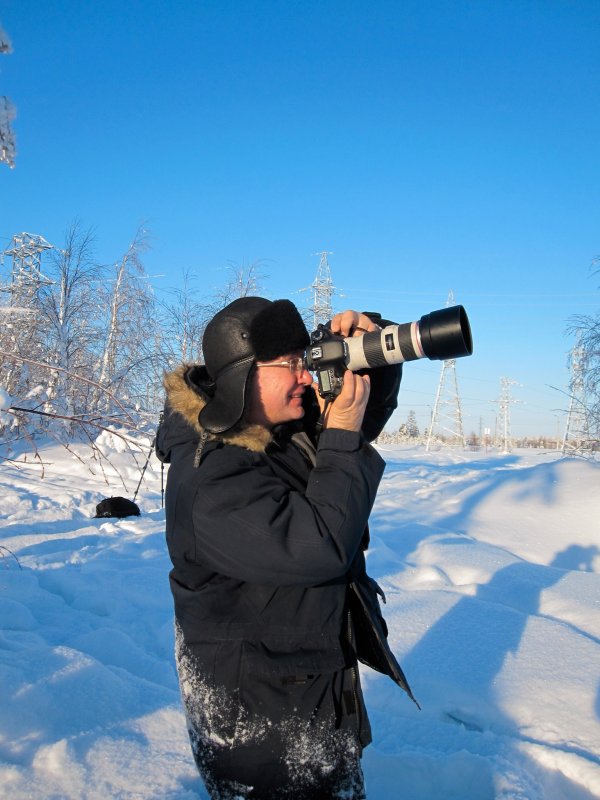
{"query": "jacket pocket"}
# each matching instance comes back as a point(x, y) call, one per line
point(286, 657)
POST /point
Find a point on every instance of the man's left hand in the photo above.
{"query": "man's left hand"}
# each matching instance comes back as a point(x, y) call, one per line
point(352, 323)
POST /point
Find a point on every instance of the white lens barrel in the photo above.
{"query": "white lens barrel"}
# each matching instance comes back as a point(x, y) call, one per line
point(391, 345)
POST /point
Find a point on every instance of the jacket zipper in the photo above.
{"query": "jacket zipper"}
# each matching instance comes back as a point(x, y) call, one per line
point(354, 677)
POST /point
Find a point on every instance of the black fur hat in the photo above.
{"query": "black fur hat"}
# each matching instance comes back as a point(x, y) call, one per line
point(249, 329)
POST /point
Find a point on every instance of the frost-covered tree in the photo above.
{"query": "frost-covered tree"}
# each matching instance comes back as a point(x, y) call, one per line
point(244, 281)
point(183, 319)
point(412, 428)
point(48, 344)
point(85, 342)
point(7, 114)
point(67, 313)
point(128, 331)
point(185, 315)
point(587, 330)
point(17, 327)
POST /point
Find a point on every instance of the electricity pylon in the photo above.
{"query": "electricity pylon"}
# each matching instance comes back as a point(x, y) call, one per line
point(503, 437)
point(26, 250)
point(577, 430)
point(322, 291)
point(446, 417)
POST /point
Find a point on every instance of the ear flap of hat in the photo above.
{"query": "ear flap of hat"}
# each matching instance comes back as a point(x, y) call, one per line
point(227, 407)
point(277, 330)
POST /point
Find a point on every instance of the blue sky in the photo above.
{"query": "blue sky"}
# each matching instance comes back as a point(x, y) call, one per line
point(428, 146)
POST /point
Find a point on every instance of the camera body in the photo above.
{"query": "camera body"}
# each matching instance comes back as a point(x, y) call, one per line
point(327, 357)
point(440, 335)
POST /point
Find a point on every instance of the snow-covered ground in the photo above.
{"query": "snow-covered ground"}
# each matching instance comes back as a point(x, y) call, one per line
point(491, 568)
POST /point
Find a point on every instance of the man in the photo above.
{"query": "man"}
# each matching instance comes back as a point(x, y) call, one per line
point(266, 527)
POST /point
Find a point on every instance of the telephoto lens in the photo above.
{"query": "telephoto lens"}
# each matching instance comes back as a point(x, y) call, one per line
point(439, 336)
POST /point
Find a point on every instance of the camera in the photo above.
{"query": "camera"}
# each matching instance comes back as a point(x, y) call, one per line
point(438, 336)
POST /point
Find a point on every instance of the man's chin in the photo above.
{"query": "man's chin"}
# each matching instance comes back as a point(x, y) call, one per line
point(295, 414)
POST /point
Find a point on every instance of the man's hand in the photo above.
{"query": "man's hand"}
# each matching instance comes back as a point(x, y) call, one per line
point(352, 323)
point(348, 408)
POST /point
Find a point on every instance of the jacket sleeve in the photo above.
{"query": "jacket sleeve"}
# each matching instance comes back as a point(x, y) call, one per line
point(385, 384)
point(249, 524)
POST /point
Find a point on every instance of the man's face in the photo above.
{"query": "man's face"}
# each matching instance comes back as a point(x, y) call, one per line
point(276, 393)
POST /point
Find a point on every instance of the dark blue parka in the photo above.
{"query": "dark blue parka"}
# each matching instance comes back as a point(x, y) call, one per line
point(266, 533)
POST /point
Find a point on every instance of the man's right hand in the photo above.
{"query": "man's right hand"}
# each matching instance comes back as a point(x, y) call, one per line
point(348, 408)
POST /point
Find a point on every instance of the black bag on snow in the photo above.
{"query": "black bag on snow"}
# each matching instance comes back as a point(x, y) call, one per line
point(117, 507)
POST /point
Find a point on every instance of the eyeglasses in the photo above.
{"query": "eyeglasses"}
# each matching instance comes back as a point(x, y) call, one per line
point(295, 365)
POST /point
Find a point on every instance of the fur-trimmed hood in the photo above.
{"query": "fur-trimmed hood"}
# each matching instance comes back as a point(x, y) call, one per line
point(185, 401)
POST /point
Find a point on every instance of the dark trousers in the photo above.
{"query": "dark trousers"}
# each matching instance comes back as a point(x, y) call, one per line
point(296, 737)
point(317, 768)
